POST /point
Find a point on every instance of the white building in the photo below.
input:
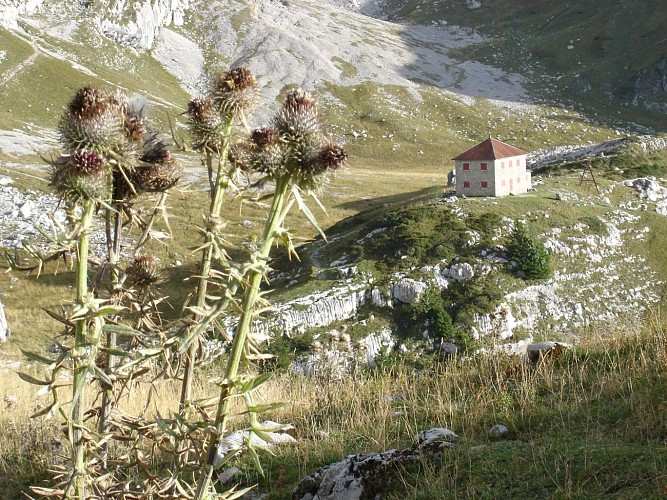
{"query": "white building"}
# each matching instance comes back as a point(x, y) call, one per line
point(492, 168)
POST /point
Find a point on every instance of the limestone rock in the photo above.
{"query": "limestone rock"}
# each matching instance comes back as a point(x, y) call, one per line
point(4, 328)
point(145, 21)
point(276, 433)
point(498, 431)
point(11, 10)
point(500, 323)
point(541, 350)
point(408, 291)
point(460, 272)
point(435, 437)
point(648, 188)
point(372, 475)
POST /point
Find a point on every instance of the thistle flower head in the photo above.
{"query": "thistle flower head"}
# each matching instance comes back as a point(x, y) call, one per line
point(154, 149)
point(145, 271)
point(205, 124)
point(265, 137)
point(88, 103)
point(331, 157)
point(239, 155)
point(81, 176)
point(298, 116)
point(86, 163)
point(235, 91)
point(156, 177)
point(93, 120)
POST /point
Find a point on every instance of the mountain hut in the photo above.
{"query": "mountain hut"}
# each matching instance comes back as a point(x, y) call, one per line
point(492, 168)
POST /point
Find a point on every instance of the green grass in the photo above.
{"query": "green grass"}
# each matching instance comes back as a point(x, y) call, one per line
point(15, 51)
point(588, 424)
point(347, 69)
point(33, 98)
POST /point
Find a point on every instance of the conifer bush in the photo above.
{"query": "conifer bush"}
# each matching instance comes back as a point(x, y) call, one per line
point(532, 259)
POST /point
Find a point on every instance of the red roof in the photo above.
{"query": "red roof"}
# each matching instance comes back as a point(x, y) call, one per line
point(490, 149)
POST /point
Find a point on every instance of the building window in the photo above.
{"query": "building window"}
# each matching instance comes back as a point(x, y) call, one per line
point(503, 183)
point(485, 184)
point(483, 166)
point(466, 184)
point(502, 164)
point(518, 162)
point(466, 166)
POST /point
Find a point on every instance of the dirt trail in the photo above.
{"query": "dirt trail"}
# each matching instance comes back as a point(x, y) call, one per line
point(19, 68)
point(23, 65)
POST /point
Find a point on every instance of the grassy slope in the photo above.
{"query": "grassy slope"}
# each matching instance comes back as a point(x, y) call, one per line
point(589, 424)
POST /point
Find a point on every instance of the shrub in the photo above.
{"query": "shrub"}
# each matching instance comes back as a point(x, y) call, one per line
point(533, 261)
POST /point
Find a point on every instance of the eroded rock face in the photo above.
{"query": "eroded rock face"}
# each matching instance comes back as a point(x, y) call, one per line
point(408, 291)
point(12, 10)
point(146, 19)
point(371, 475)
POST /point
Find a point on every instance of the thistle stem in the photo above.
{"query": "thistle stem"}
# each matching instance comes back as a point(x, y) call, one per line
point(81, 357)
point(113, 245)
point(220, 185)
point(275, 219)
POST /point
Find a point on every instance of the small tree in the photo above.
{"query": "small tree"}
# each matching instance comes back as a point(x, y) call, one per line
point(533, 260)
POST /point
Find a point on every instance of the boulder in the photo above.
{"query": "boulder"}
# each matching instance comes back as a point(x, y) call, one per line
point(542, 350)
point(498, 431)
point(461, 272)
point(371, 475)
point(408, 291)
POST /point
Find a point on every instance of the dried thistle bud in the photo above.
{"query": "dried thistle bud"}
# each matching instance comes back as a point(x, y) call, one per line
point(134, 111)
point(298, 116)
point(134, 126)
point(145, 271)
point(93, 121)
point(235, 91)
point(239, 155)
point(202, 109)
point(205, 124)
point(154, 150)
point(331, 156)
point(88, 103)
point(156, 177)
point(265, 137)
point(81, 176)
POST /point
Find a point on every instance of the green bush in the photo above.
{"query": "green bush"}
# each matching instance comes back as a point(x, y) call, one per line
point(533, 261)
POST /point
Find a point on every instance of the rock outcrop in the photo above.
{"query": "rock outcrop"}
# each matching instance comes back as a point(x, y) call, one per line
point(371, 475)
point(12, 10)
point(144, 20)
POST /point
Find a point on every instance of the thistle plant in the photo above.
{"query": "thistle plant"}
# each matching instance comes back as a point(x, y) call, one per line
point(296, 156)
point(109, 157)
point(211, 121)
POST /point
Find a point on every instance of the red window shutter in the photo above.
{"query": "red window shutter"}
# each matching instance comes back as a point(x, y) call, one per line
point(518, 162)
point(466, 184)
point(466, 166)
point(503, 182)
point(485, 184)
point(483, 166)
